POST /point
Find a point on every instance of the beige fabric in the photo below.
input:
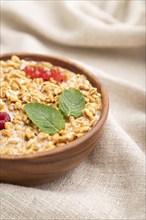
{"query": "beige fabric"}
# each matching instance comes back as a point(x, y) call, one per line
point(109, 184)
point(90, 23)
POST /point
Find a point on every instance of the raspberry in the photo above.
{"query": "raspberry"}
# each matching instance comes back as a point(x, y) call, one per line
point(4, 117)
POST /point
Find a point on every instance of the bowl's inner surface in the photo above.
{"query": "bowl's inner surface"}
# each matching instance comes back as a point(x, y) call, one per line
point(75, 68)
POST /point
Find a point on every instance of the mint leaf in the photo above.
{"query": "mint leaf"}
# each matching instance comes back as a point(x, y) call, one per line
point(47, 118)
point(71, 102)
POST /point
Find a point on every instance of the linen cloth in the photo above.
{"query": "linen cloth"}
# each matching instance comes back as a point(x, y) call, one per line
point(110, 183)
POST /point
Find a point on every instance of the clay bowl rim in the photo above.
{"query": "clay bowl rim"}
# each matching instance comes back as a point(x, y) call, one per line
point(78, 141)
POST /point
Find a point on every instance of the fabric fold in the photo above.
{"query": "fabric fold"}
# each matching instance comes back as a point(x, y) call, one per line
point(82, 23)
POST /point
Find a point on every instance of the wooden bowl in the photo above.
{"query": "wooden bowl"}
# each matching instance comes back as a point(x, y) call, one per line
point(41, 167)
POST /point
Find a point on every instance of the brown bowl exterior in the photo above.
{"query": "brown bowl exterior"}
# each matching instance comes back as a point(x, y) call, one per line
point(42, 167)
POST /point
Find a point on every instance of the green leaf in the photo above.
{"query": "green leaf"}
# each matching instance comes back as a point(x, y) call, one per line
point(72, 102)
point(47, 118)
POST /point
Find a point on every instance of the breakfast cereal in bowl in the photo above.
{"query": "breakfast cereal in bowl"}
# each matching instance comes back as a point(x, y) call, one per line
point(43, 107)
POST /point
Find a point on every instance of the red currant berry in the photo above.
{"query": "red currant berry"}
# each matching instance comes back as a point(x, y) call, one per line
point(46, 75)
point(38, 72)
point(57, 74)
point(4, 117)
point(63, 76)
point(28, 70)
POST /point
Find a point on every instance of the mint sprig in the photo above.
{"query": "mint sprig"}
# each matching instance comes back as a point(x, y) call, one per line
point(71, 102)
point(50, 120)
point(47, 118)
